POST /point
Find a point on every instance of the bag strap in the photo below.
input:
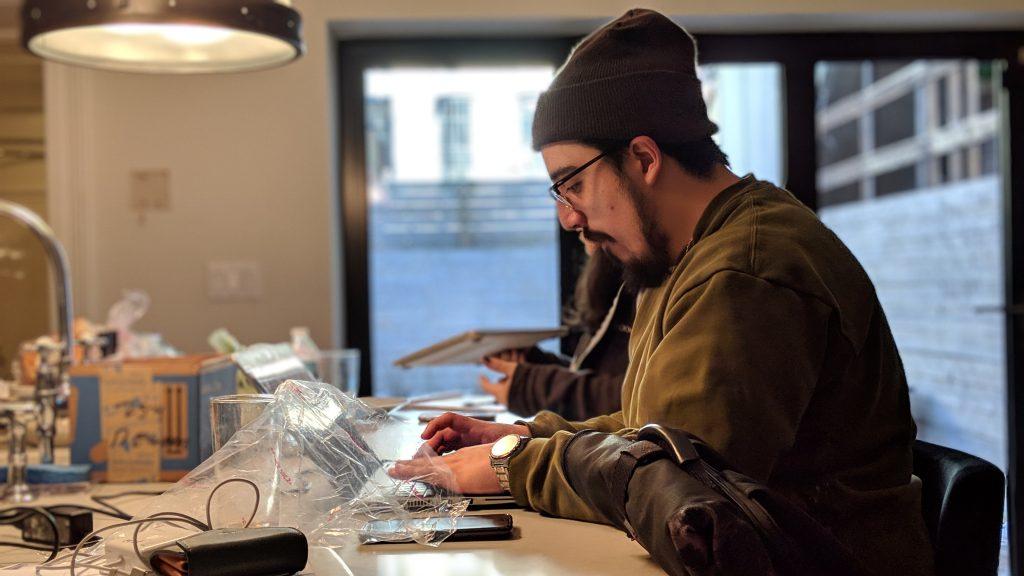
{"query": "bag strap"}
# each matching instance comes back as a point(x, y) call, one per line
point(678, 445)
point(634, 455)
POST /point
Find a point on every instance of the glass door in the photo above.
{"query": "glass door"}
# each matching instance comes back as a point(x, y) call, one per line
point(461, 232)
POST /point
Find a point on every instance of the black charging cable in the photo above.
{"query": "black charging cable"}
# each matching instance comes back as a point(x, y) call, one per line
point(111, 510)
point(17, 515)
point(47, 537)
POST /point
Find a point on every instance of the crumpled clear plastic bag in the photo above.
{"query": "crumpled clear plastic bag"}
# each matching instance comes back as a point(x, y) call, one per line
point(122, 315)
point(319, 459)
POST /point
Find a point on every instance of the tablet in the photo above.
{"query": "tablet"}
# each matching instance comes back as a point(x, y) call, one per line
point(469, 347)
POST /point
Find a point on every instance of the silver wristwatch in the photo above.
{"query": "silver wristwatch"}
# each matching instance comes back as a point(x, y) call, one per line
point(502, 451)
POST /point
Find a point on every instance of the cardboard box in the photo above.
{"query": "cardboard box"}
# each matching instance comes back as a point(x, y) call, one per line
point(146, 420)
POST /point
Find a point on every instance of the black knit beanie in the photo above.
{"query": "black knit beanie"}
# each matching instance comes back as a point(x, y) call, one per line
point(636, 76)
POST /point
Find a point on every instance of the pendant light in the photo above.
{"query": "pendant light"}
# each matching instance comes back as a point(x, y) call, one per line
point(164, 36)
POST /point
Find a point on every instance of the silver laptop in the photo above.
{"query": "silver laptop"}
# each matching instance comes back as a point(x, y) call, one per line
point(416, 494)
point(423, 495)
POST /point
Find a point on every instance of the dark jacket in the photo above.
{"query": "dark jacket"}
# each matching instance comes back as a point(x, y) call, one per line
point(769, 343)
point(591, 383)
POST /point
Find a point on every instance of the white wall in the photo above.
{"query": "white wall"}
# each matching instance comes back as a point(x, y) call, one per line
point(251, 157)
point(934, 255)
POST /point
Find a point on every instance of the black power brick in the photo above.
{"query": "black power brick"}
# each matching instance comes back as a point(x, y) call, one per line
point(73, 524)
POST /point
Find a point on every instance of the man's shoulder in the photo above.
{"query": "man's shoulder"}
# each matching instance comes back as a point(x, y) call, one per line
point(763, 232)
point(768, 234)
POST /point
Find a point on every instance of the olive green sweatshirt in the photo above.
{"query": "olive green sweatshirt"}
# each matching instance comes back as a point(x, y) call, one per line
point(768, 342)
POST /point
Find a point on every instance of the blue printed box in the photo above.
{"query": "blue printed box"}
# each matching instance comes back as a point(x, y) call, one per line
point(182, 390)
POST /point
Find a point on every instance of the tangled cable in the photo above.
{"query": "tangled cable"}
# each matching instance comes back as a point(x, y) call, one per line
point(111, 510)
point(17, 514)
point(177, 519)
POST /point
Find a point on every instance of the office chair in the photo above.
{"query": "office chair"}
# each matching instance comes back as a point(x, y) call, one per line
point(962, 502)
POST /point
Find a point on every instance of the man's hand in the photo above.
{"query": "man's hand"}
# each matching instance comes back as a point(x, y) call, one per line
point(514, 355)
point(467, 471)
point(497, 388)
point(504, 363)
point(451, 431)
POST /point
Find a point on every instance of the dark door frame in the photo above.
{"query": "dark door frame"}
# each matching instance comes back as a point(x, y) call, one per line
point(797, 53)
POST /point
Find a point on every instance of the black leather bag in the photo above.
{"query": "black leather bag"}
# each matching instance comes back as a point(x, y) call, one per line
point(696, 515)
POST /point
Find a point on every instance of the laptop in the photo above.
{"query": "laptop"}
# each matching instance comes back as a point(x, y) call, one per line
point(362, 464)
point(421, 495)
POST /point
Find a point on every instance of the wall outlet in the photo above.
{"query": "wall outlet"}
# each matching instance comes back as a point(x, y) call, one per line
point(234, 280)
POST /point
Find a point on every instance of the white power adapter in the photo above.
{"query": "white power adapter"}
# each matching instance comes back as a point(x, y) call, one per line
point(152, 539)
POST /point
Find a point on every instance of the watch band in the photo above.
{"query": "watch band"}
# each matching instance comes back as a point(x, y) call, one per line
point(500, 465)
point(501, 471)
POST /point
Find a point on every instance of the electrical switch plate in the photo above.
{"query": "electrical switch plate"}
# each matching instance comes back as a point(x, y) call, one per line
point(234, 280)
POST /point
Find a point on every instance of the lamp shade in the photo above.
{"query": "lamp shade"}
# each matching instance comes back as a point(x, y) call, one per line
point(164, 36)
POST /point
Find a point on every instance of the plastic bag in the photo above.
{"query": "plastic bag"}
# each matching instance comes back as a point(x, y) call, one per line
point(128, 310)
point(303, 345)
point(130, 344)
point(319, 461)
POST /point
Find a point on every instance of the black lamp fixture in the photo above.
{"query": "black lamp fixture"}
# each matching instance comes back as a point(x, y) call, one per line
point(164, 36)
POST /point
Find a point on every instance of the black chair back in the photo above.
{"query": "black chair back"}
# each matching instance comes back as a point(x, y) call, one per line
point(962, 502)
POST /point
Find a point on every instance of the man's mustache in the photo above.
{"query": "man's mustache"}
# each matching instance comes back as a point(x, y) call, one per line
point(595, 236)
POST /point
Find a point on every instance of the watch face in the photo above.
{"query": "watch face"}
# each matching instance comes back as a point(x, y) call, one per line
point(504, 446)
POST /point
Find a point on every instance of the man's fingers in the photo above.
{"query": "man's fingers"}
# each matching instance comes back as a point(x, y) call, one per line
point(498, 365)
point(412, 469)
point(443, 421)
point(509, 354)
point(444, 440)
point(435, 442)
point(515, 355)
point(430, 470)
point(425, 451)
point(498, 389)
point(403, 470)
point(491, 388)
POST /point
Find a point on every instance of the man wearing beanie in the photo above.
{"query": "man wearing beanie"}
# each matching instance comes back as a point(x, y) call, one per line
point(756, 329)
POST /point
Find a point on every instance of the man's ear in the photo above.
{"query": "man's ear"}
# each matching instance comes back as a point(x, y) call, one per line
point(645, 151)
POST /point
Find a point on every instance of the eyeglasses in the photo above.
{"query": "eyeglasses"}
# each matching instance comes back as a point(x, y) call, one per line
point(556, 188)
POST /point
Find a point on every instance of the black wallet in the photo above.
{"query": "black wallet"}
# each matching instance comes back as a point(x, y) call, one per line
point(236, 552)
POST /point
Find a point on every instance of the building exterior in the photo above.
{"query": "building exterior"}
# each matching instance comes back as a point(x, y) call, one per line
point(890, 127)
point(909, 178)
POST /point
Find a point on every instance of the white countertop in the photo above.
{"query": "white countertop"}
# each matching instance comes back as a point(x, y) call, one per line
point(540, 545)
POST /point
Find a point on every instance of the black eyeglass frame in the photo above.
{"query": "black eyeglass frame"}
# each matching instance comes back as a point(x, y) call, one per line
point(554, 189)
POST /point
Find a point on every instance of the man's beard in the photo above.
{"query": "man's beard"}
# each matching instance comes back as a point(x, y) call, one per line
point(652, 268)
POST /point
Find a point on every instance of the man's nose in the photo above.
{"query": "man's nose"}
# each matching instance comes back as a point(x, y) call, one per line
point(571, 219)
